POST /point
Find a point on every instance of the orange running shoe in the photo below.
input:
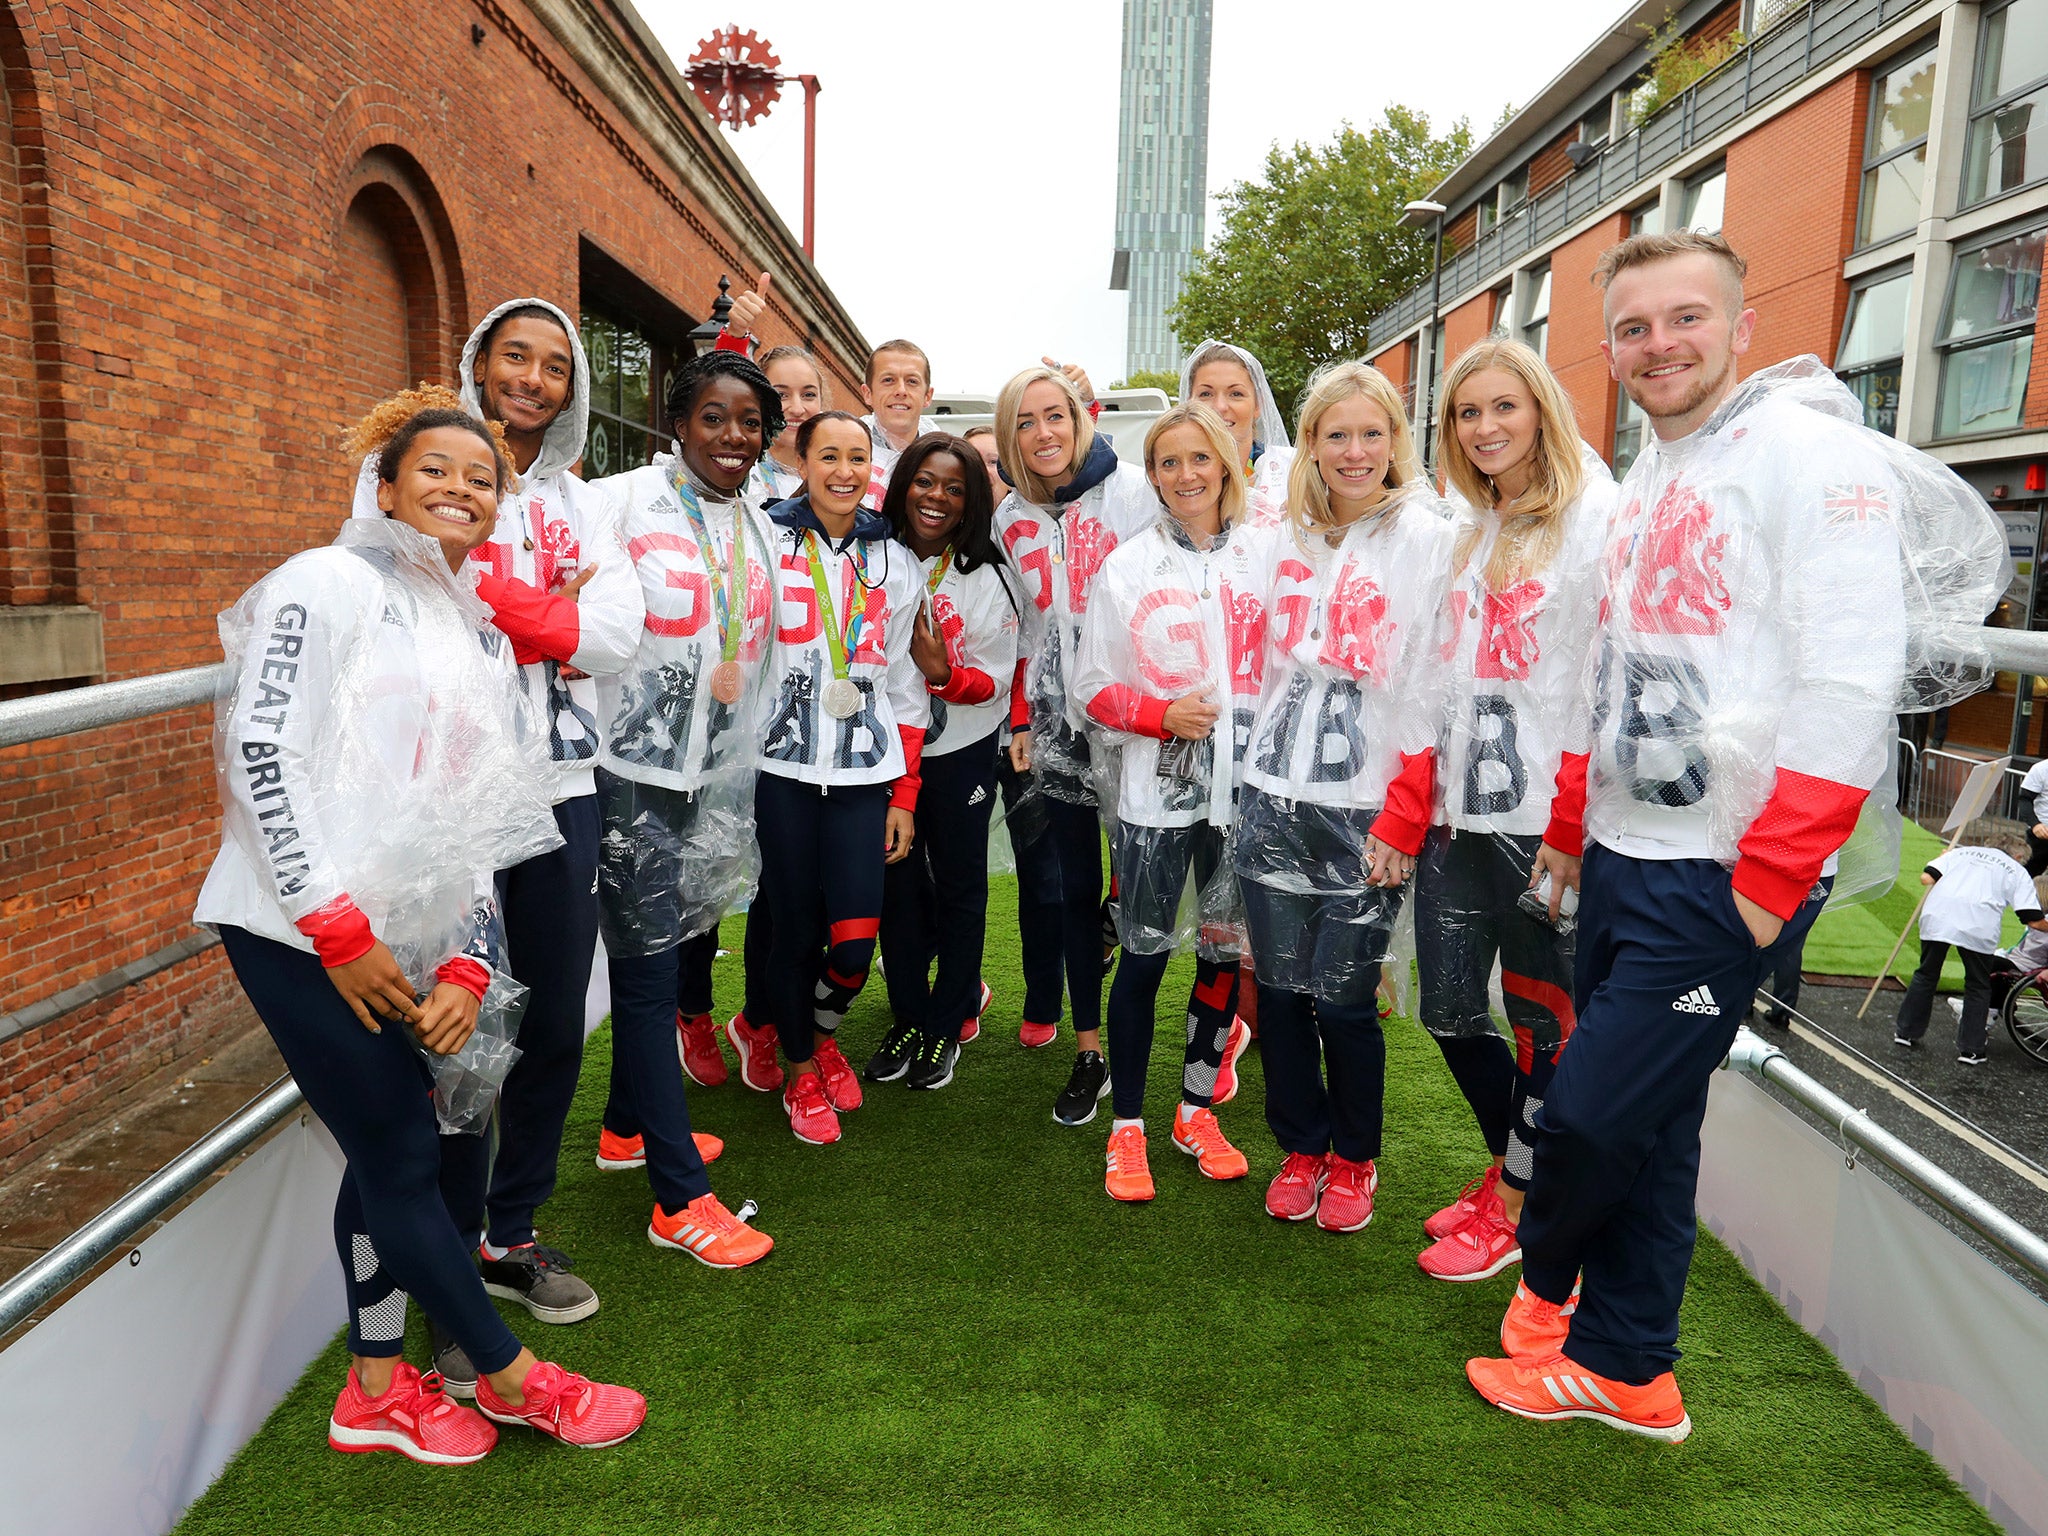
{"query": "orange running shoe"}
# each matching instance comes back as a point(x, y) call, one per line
point(971, 1029)
point(697, 1044)
point(1348, 1189)
point(1202, 1139)
point(1298, 1187)
point(566, 1407)
point(1031, 1036)
point(1557, 1387)
point(413, 1417)
point(615, 1152)
point(1533, 1327)
point(810, 1113)
point(710, 1234)
point(842, 1083)
point(1477, 1193)
point(1130, 1175)
point(1234, 1045)
point(756, 1051)
point(1479, 1250)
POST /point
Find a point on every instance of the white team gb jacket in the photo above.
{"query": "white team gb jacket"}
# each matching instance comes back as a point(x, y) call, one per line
point(976, 616)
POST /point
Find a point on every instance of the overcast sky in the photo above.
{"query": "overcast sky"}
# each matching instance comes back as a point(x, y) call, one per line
point(967, 156)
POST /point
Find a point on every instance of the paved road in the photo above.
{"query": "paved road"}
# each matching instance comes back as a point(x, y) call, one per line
point(1987, 1126)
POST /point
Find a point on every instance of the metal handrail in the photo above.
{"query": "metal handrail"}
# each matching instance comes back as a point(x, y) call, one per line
point(1756, 1056)
point(44, 715)
point(74, 1258)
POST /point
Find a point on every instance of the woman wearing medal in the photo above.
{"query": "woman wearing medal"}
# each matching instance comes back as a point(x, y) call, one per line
point(1338, 776)
point(840, 757)
point(675, 784)
point(935, 902)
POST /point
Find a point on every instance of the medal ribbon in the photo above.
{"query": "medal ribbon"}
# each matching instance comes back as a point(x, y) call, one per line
point(931, 582)
point(726, 594)
point(837, 642)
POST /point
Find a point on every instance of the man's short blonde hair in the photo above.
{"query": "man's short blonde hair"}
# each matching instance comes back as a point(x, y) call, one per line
point(1645, 250)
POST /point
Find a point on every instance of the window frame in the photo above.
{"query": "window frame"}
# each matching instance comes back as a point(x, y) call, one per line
point(660, 365)
point(1982, 111)
point(1537, 281)
point(1896, 361)
point(1926, 48)
point(1948, 347)
point(1690, 190)
point(1640, 426)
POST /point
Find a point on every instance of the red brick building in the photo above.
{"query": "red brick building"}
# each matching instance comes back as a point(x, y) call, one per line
point(1876, 161)
point(223, 233)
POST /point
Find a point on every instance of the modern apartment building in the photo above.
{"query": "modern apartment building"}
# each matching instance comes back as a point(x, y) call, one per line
point(1877, 164)
point(1162, 175)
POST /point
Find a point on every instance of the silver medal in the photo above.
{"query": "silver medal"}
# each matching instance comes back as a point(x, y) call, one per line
point(842, 698)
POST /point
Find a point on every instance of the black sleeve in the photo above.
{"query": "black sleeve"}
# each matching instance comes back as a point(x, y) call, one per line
point(1931, 870)
point(2028, 914)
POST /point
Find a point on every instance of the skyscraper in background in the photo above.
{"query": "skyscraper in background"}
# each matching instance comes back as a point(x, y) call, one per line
point(1162, 167)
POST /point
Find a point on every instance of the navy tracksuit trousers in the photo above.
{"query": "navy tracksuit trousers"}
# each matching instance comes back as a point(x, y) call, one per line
point(1665, 973)
point(935, 902)
point(549, 904)
point(647, 1098)
point(1038, 899)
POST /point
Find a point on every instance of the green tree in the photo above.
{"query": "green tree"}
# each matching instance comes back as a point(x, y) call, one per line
point(1310, 253)
point(1151, 378)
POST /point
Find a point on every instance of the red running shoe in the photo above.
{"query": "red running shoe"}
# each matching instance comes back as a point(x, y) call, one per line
point(1479, 1250)
point(1533, 1327)
point(971, 1030)
point(615, 1152)
point(570, 1408)
point(697, 1044)
point(1348, 1189)
point(709, 1233)
point(413, 1417)
point(1031, 1036)
point(810, 1112)
point(1461, 1210)
point(1294, 1194)
point(1557, 1387)
point(756, 1051)
point(1234, 1044)
point(842, 1083)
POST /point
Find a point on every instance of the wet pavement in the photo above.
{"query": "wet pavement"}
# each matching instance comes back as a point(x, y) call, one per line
point(1986, 1126)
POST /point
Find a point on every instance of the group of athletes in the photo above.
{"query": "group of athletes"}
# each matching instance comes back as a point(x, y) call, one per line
point(1607, 740)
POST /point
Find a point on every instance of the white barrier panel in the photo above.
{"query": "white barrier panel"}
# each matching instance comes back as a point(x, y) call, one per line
point(1948, 1345)
point(118, 1409)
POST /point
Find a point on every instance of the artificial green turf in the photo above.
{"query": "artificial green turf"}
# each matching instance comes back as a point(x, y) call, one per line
point(958, 1331)
point(1853, 940)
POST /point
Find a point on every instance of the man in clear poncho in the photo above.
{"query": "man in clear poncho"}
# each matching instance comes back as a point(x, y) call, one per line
point(1776, 586)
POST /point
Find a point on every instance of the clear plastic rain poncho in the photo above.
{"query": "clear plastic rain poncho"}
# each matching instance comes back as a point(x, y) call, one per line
point(1159, 628)
point(1345, 737)
point(1779, 585)
point(677, 794)
point(371, 742)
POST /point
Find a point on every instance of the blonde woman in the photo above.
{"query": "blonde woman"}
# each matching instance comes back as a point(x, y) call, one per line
point(1337, 784)
point(1073, 504)
point(1155, 677)
point(1531, 506)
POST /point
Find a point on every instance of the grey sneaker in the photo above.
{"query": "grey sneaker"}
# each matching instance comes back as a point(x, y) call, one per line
point(539, 1278)
point(458, 1376)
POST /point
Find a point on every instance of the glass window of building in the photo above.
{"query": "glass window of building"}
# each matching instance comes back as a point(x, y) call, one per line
point(1631, 433)
point(1535, 325)
point(1705, 197)
point(1874, 346)
point(2009, 92)
point(626, 368)
point(1647, 220)
point(1895, 148)
point(1987, 334)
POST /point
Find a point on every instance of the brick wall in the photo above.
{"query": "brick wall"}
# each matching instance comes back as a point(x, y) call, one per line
point(223, 232)
point(2037, 376)
point(1466, 324)
point(1572, 347)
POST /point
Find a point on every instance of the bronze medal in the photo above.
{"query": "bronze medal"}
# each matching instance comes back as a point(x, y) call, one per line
point(842, 698)
point(728, 681)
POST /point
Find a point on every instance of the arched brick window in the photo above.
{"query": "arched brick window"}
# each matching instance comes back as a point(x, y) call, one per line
point(397, 300)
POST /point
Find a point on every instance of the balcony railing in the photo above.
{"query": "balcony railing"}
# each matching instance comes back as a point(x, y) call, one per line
point(1807, 40)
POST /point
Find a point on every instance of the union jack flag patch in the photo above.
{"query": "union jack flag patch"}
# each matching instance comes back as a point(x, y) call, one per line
point(1855, 505)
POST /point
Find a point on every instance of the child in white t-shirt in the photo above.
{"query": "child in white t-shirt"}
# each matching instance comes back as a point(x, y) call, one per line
point(1973, 888)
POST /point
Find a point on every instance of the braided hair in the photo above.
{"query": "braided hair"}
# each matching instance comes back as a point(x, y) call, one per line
point(690, 378)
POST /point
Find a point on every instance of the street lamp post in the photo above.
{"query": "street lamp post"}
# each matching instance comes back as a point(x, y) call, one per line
point(1415, 215)
point(704, 335)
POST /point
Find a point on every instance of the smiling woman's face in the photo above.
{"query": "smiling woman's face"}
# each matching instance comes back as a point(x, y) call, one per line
point(722, 435)
point(447, 488)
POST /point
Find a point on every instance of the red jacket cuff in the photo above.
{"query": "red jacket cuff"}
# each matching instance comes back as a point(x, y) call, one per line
point(1567, 830)
point(339, 931)
point(967, 685)
point(904, 796)
point(1020, 704)
point(727, 342)
point(1805, 820)
point(1405, 818)
point(1123, 708)
point(1095, 410)
point(538, 623)
point(470, 975)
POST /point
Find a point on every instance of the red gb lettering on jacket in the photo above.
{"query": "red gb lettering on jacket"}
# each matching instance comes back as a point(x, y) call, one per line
point(495, 558)
point(1166, 635)
point(1291, 606)
point(1356, 628)
point(1244, 632)
point(679, 593)
point(797, 622)
point(1507, 639)
point(1034, 560)
point(1089, 543)
point(1678, 588)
